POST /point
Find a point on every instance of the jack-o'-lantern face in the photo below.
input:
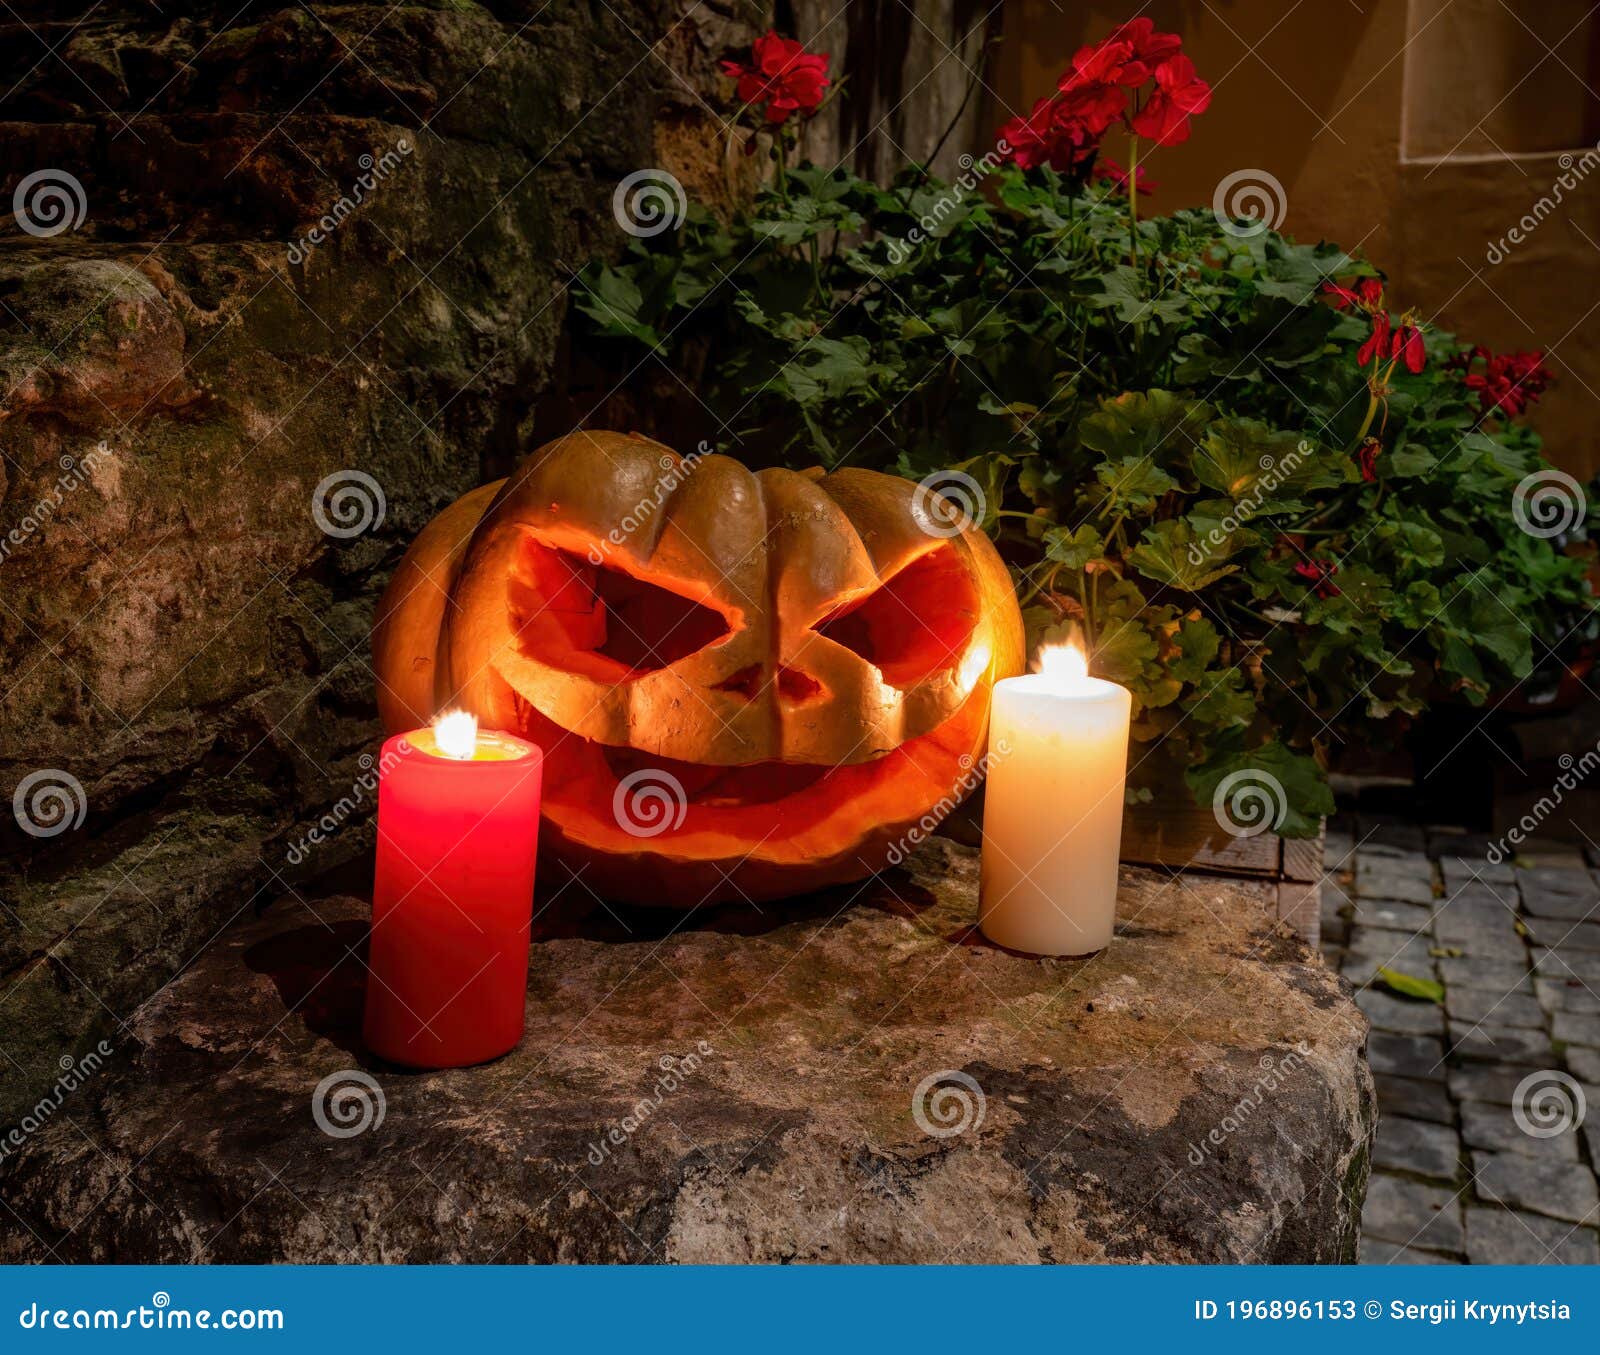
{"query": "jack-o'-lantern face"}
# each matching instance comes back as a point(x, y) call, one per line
point(744, 683)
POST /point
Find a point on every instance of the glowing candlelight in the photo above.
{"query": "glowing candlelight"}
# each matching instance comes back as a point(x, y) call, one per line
point(456, 733)
point(1052, 816)
point(458, 828)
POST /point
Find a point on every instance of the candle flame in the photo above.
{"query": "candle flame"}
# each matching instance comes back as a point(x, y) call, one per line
point(456, 733)
point(1064, 666)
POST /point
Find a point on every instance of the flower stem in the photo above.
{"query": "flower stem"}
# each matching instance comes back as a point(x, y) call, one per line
point(1133, 196)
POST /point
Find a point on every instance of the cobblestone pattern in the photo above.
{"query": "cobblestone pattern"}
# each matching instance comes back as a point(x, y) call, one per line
point(1489, 1099)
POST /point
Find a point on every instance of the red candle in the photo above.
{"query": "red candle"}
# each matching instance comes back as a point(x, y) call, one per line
point(458, 829)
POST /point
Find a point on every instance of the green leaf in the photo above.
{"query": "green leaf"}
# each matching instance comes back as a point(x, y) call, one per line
point(1170, 553)
point(1133, 484)
point(1408, 985)
point(1270, 785)
point(1075, 548)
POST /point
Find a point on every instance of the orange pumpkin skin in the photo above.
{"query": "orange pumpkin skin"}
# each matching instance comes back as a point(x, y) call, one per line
point(801, 667)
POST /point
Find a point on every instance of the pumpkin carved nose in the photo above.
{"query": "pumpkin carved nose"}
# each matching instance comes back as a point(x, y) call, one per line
point(794, 687)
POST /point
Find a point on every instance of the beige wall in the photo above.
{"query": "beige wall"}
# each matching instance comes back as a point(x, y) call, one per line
point(1419, 133)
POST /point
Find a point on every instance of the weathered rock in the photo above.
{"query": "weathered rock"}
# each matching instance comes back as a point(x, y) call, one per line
point(1506, 1237)
point(1564, 1190)
point(1412, 1214)
point(1419, 1147)
point(742, 1085)
point(293, 262)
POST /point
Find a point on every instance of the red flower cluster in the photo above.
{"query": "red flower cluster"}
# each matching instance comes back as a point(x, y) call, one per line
point(1507, 382)
point(1065, 129)
point(781, 76)
point(1387, 340)
point(1319, 573)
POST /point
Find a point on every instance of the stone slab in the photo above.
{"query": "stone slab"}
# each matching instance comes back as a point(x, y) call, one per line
point(1508, 1237)
point(856, 1077)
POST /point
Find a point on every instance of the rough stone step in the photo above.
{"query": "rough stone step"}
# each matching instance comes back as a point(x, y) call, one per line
point(1559, 1189)
point(1493, 1127)
point(1412, 1214)
point(1508, 1237)
point(1194, 1093)
point(1413, 1098)
point(1419, 1147)
point(1474, 1005)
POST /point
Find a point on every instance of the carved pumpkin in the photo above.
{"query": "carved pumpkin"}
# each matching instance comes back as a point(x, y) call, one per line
point(745, 683)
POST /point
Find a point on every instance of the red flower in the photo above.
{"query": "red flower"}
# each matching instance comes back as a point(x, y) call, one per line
point(1107, 168)
point(1377, 344)
point(1509, 382)
point(1178, 96)
point(1148, 46)
point(1366, 295)
point(1367, 459)
point(782, 75)
point(1407, 345)
point(1104, 63)
point(1095, 106)
point(1052, 134)
point(1319, 573)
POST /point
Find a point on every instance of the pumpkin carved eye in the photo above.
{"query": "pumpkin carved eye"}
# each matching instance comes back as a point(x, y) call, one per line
point(602, 622)
point(914, 626)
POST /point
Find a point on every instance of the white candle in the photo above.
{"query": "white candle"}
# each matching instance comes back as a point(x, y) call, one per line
point(1052, 810)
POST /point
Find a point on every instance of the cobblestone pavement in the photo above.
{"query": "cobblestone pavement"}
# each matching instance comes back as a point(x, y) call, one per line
point(1474, 1162)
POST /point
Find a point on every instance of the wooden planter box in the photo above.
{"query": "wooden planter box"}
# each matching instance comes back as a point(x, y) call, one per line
point(1187, 837)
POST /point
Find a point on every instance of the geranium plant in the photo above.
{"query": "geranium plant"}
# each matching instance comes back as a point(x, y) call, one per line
point(1276, 509)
